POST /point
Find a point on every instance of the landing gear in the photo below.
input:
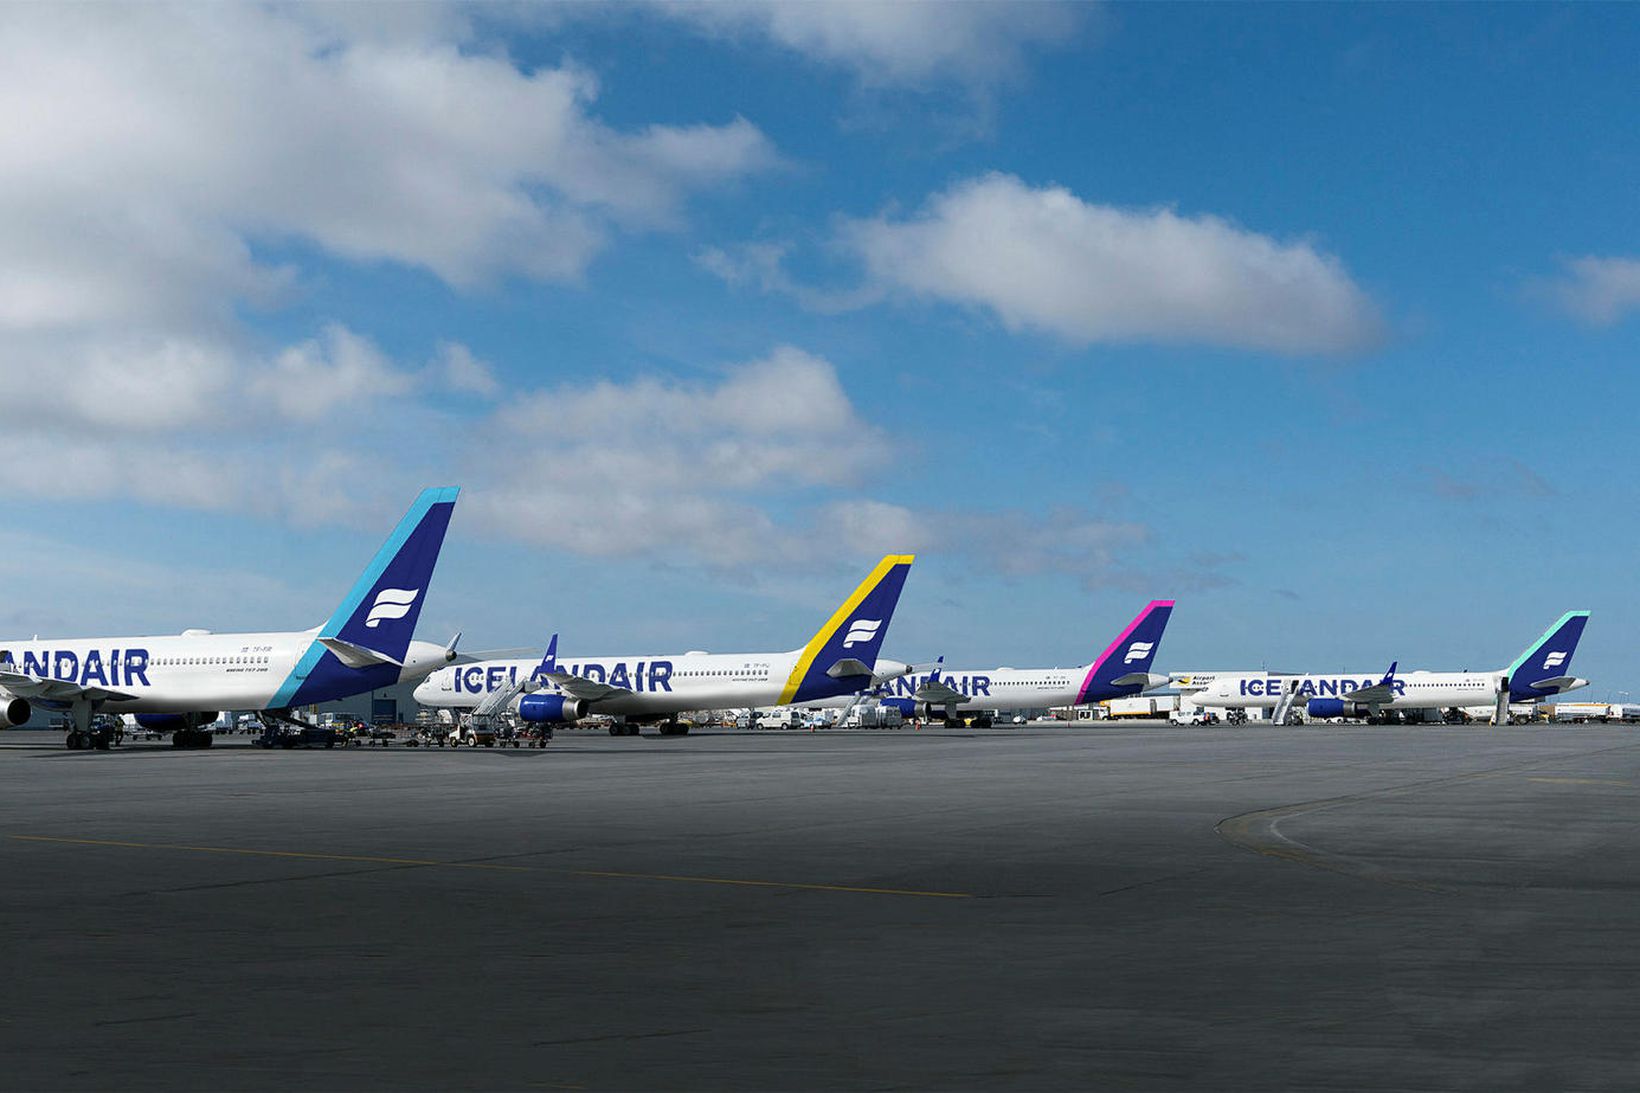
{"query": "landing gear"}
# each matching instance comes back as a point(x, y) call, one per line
point(84, 735)
point(982, 722)
point(1236, 716)
point(674, 728)
point(624, 728)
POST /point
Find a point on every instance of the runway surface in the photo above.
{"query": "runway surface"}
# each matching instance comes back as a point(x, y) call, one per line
point(1115, 906)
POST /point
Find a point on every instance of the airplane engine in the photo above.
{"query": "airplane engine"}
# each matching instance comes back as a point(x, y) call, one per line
point(550, 709)
point(1333, 707)
point(910, 707)
point(172, 722)
point(13, 710)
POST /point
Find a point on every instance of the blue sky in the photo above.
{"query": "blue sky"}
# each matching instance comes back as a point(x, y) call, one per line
point(1320, 319)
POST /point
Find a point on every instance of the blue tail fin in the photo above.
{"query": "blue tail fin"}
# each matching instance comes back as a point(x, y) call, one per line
point(549, 661)
point(1130, 654)
point(829, 664)
point(381, 609)
point(1547, 661)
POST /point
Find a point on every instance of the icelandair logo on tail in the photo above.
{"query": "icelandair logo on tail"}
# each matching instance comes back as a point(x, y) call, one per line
point(391, 603)
point(862, 630)
point(1139, 650)
point(1554, 660)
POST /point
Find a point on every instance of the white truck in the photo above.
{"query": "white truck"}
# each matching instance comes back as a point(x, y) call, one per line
point(1141, 706)
point(870, 715)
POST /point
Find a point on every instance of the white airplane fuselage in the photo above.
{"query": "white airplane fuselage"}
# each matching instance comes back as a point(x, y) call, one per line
point(661, 684)
point(987, 689)
point(194, 672)
point(1412, 690)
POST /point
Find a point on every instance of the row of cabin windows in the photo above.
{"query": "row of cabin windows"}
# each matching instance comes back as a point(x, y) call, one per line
point(173, 662)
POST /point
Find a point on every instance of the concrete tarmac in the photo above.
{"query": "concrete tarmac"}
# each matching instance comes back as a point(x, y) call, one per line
point(1090, 907)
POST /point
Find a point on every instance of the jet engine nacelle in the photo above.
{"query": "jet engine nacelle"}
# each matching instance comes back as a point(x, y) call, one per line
point(1334, 707)
point(171, 722)
point(550, 709)
point(910, 707)
point(13, 710)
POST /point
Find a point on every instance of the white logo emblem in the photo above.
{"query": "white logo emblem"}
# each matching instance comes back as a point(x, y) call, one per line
point(1139, 650)
point(1554, 660)
point(861, 630)
point(391, 603)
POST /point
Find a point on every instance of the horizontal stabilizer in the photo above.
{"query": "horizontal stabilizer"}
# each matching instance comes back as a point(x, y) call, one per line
point(1557, 683)
point(357, 656)
point(1147, 680)
point(583, 688)
point(849, 666)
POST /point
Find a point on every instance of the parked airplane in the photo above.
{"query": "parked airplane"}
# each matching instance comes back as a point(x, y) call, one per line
point(957, 694)
point(1542, 670)
point(840, 659)
point(179, 684)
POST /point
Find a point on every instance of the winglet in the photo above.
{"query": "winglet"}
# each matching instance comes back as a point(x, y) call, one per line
point(866, 613)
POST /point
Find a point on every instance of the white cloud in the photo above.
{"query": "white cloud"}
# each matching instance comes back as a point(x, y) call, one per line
point(1065, 541)
point(307, 382)
point(655, 467)
point(1043, 259)
point(762, 266)
point(145, 150)
point(894, 43)
point(150, 156)
point(1596, 291)
point(456, 367)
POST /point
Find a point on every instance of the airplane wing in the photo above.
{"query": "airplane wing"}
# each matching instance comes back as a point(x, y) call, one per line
point(937, 692)
point(1378, 692)
point(585, 689)
point(56, 690)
